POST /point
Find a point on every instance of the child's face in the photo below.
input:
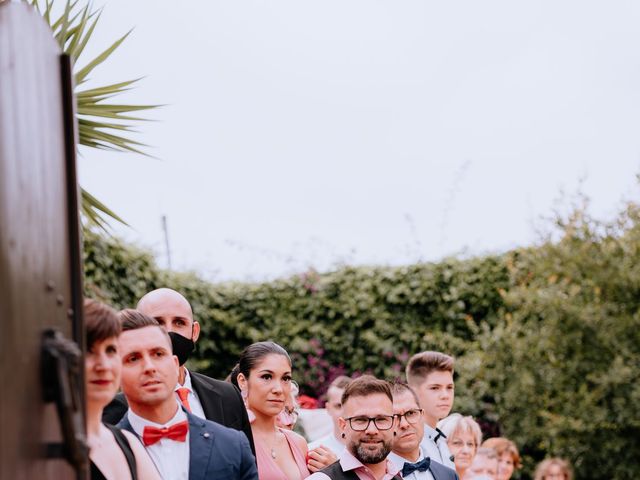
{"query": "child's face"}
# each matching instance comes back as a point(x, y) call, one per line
point(436, 396)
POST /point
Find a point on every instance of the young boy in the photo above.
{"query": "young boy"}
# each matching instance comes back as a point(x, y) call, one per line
point(430, 375)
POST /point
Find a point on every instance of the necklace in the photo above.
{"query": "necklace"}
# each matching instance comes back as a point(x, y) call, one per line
point(272, 447)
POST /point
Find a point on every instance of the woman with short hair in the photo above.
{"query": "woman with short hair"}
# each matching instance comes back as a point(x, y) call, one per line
point(508, 456)
point(463, 439)
point(554, 469)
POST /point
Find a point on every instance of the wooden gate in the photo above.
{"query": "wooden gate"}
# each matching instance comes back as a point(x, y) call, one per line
point(42, 401)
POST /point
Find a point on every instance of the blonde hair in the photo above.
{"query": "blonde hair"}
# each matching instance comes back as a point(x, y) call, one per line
point(504, 445)
point(456, 424)
point(544, 466)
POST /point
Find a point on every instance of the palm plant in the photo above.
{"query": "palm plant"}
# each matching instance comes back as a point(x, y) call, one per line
point(101, 124)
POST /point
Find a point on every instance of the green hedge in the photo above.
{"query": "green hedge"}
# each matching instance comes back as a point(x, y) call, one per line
point(547, 339)
point(365, 319)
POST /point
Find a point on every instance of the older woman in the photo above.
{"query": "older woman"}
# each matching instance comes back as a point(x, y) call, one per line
point(508, 456)
point(554, 469)
point(463, 439)
point(114, 454)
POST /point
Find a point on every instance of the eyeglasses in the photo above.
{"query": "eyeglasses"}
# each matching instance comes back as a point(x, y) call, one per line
point(457, 443)
point(411, 416)
point(360, 424)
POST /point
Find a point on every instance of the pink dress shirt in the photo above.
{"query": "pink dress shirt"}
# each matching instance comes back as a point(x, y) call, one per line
point(349, 462)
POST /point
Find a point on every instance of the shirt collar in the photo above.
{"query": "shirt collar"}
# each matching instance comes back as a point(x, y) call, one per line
point(399, 461)
point(138, 423)
point(187, 382)
point(349, 462)
point(430, 431)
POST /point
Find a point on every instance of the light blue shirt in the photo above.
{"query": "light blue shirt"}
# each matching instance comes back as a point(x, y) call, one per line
point(437, 452)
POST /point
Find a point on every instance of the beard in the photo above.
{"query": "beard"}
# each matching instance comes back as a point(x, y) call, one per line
point(366, 454)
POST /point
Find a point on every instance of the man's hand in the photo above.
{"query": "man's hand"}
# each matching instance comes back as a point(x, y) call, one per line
point(320, 457)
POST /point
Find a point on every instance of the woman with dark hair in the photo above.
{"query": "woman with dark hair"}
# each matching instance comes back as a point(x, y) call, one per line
point(114, 454)
point(264, 377)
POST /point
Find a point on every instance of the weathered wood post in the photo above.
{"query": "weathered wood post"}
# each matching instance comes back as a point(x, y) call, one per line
point(42, 433)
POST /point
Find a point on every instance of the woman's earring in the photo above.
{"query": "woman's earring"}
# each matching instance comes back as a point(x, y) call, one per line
point(343, 435)
point(250, 414)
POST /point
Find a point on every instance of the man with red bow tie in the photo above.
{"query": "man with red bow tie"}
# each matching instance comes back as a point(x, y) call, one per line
point(182, 446)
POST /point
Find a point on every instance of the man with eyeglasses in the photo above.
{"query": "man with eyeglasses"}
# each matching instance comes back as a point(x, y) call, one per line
point(368, 427)
point(407, 455)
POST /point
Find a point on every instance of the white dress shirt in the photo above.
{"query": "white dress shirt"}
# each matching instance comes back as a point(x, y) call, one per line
point(329, 441)
point(170, 457)
point(192, 398)
point(399, 462)
point(437, 452)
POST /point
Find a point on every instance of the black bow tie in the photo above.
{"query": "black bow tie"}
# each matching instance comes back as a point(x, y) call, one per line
point(439, 435)
point(421, 466)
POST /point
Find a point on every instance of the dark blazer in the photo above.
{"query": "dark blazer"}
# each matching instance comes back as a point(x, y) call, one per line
point(440, 472)
point(221, 402)
point(214, 451)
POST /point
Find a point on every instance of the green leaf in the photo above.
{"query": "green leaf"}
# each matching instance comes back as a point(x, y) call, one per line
point(108, 90)
point(82, 74)
point(73, 30)
point(94, 208)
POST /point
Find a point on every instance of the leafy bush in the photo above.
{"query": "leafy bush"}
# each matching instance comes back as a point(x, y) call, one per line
point(356, 319)
point(561, 370)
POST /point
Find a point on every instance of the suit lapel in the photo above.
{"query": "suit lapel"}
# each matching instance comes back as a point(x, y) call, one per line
point(209, 399)
point(200, 447)
point(125, 424)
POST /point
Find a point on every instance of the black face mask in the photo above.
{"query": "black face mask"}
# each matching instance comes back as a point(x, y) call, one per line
point(182, 347)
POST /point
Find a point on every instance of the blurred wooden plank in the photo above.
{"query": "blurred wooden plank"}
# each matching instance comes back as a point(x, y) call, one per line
point(34, 238)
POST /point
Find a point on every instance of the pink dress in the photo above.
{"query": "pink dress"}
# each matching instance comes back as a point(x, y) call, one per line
point(268, 469)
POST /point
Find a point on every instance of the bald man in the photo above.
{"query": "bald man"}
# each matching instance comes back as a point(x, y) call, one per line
point(203, 396)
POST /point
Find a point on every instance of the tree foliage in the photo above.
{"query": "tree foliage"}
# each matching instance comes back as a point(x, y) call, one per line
point(561, 370)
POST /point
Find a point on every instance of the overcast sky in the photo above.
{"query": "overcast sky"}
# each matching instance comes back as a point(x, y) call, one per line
point(312, 134)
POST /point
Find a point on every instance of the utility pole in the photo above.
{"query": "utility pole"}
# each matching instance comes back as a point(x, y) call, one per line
point(166, 240)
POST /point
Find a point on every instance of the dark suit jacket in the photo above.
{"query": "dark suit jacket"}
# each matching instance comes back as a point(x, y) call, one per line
point(214, 451)
point(440, 472)
point(221, 402)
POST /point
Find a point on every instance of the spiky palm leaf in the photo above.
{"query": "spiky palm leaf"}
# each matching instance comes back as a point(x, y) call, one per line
point(100, 124)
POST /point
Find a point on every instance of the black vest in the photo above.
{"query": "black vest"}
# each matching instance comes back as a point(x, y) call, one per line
point(334, 472)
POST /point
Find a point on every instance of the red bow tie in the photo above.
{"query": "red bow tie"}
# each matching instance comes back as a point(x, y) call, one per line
point(177, 431)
